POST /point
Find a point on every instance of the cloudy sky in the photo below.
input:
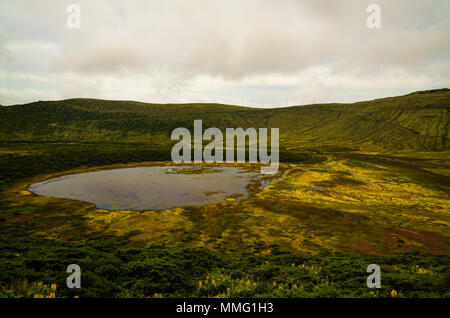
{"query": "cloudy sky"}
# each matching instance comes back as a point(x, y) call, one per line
point(264, 53)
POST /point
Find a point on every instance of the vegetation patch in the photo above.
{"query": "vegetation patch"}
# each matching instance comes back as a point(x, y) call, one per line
point(359, 184)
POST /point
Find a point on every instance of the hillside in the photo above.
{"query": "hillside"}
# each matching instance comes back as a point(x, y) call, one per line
point(417, 121)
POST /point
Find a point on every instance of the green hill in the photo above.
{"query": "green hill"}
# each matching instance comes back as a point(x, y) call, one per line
point(417, 121)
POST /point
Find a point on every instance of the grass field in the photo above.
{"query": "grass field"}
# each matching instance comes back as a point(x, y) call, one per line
point(359, 184)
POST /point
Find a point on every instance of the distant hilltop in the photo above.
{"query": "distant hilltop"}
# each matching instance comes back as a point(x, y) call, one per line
point(431, 91)
point(417, 121)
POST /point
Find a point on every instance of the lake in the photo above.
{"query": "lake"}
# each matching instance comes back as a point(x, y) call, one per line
point(150, 188)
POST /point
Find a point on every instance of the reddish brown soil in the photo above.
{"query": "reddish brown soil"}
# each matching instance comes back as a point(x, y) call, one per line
point(409, 241)
point(364, 247)
point(19, 219)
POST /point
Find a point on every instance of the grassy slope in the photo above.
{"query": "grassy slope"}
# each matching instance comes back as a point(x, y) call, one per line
point(418, 121)
point(389, 204)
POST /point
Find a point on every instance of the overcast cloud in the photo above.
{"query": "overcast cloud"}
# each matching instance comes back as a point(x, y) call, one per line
point(264, 53)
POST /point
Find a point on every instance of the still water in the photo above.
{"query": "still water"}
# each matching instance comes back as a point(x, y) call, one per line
point(150, 188)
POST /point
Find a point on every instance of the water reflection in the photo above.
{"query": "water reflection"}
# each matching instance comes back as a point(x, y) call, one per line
point(150, 188)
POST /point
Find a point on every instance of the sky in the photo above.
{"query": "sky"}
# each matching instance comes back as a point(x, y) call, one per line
point(262, 53)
